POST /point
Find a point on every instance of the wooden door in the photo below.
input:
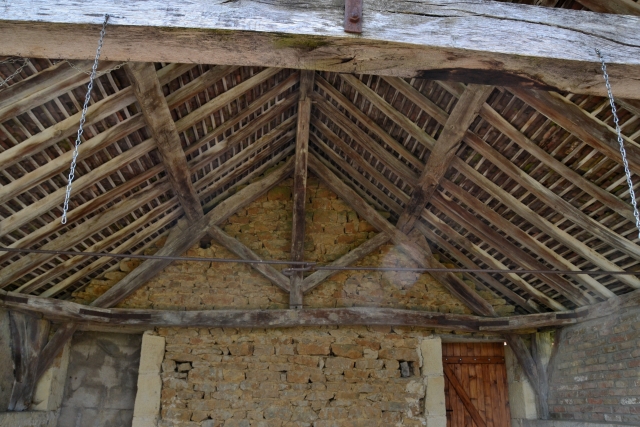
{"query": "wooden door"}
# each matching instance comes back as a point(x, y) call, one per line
point(476, 385)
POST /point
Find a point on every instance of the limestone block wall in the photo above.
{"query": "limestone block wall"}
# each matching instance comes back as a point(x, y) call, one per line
point(101, 380)
point(595, 373)
point(320, 377)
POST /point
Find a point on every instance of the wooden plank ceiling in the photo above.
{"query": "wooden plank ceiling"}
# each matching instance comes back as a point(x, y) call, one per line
point(533, 179)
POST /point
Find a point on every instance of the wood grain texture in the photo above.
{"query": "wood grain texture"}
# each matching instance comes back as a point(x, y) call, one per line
point(28, 337)
point(623, 7)
point(300, 184)
point(155, 110)
point(461, 117)
point(235, 246)
point(402, 38)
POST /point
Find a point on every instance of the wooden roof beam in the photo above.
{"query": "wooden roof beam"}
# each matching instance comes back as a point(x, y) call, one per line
point(464, 40)
point(461, 117)
point(300, 184)
point(155, 109)
point(551, 229)
point(500, 123)
point(622, 7)
point(418, 254)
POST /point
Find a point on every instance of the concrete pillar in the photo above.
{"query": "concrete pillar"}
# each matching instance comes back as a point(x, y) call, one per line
point(522, 399)
point(146, 411)
point(50, 388)
point(435, 411)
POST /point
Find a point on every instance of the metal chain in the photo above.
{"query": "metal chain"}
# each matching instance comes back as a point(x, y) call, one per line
point(623, 152)
point(16, 72)
point(88, 72)
point(83, 117)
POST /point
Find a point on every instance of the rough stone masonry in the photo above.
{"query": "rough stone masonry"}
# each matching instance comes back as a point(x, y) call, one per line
point(321, 377)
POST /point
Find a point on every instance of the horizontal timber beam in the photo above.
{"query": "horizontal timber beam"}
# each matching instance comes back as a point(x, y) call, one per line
point(66, 311)
point(456, 40)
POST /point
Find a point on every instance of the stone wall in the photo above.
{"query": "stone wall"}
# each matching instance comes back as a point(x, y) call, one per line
point(595, 373)
point(332, 230)
point(321, 377)
point(101, 380)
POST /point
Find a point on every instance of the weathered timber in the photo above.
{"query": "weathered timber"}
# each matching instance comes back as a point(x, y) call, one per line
point(199, 84)
point(622, 7)
point(47, 203)
point(526, 240)
point(540, 348)
point(76, 235)
point(405, 38)
point(69, 312)
point(42, 87)
point(28, 337)
point(103, 244)
point(461, 117)
point(139, 237)
point(56, 343)
point(534, 218)
point(235, 246)
point(356, 254)
point(454, 284)
point(66, 127)
point(300, 185)
point(464, 397)
point(500, 123)
point(153, 104)
point(61, 163)
point(551, 199)
point(364, 140)
point(513, 252)
point(486, 258)
point(83, 210)
point(189, 237)
point(224, 98)
point(576, 121)
point(245, 132)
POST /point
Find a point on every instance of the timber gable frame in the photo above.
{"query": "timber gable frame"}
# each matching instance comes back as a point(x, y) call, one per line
point(530, 177)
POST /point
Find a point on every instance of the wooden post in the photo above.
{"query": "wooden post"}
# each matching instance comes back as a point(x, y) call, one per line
point(300, 184)
point(28, 336)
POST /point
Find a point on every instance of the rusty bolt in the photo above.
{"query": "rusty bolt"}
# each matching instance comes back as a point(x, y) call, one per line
point(354, 17)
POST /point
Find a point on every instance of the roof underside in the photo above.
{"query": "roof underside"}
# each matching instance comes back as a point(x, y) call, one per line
point(372, 131)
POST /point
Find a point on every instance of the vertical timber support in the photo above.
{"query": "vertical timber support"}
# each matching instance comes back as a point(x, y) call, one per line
point(28, 337)
point(300, 184)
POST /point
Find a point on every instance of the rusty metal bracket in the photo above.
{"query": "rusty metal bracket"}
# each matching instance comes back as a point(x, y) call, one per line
point(353, 16)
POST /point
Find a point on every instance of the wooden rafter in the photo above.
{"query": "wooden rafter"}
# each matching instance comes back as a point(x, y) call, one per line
point(78, 234)
point(146, 31)
point(155, 110)
point(418, 254)
point(463, 114)
point(300, 185)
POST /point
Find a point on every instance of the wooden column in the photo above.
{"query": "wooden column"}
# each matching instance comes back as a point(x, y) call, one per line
point(300, 184)
point(28, 337)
